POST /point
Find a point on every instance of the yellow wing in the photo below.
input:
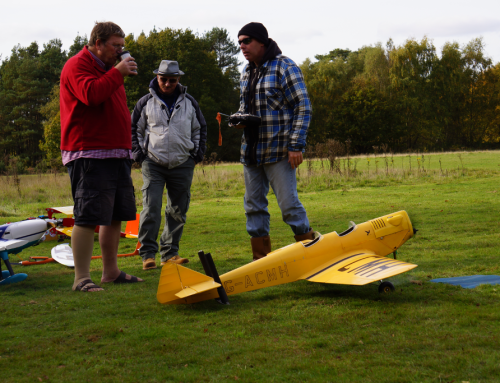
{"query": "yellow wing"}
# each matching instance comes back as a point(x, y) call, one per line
point(357, 268)
point(65, 230)
point(68, 210)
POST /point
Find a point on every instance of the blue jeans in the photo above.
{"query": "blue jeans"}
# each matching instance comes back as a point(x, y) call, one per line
point(284, 183)
point(178, 183)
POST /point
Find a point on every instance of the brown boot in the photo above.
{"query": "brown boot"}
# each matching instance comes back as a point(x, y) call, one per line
point(261, 246)
point(303, 237)
point(175, 259)
point(149, 264)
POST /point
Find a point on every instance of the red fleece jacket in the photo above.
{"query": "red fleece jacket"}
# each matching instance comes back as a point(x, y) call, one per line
point(94, 113)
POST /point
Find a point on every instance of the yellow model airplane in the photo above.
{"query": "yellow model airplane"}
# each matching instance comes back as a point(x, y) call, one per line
point(357, 256)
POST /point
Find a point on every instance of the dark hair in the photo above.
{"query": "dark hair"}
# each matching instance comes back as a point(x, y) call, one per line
point(103, 31)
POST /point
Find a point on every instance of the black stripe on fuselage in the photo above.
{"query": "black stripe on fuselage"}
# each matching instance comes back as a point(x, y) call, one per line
point(29, 235)
point(336, 263)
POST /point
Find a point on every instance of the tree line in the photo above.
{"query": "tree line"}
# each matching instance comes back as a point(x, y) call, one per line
point(29, 89)
point(405, 97)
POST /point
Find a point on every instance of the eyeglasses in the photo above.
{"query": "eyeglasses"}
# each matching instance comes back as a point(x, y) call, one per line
point(117, 47)
point(246, 41)
point(170, 80)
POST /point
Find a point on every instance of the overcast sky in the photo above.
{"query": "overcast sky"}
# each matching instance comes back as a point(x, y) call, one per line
point(302, 29)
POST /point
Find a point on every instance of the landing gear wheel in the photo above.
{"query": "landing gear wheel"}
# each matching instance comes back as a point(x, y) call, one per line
point(386, 288)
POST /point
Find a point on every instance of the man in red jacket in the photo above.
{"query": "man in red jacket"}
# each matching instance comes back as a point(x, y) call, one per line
point(96, 148)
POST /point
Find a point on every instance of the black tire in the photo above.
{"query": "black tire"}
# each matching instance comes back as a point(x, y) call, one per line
point(386, 288)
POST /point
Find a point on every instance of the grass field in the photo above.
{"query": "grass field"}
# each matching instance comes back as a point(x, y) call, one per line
point(300, 332)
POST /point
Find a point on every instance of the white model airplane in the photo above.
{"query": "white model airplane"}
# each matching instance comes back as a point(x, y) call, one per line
point(14, 238)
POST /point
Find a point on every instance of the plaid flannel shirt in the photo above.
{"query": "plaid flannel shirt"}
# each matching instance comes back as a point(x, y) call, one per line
point(282, 102)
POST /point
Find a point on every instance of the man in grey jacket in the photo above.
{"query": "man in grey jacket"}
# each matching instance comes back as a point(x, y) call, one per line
point(169, 136)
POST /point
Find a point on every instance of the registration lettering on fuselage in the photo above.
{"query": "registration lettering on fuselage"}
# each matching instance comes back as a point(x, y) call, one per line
point(260, 277)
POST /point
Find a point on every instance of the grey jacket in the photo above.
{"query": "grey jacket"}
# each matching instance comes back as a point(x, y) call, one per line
point(168, 140)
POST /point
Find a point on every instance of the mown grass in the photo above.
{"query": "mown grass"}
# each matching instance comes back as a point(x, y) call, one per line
point(424, 332)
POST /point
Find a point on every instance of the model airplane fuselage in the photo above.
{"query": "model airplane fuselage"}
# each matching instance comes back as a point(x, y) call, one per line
point(15, 237)
point(357, 256)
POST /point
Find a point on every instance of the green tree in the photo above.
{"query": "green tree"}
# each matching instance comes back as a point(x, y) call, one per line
point(363, 116)
point(343, 54)
point(226, 52)
point(349, 93)
point(477, 95)
point(27, 78)
point(448, 96)
point(465, 93)
point(51, 144)
point(213, 89)
point(78, 44)
point(410, 73)
point(406, 96)
point(492, 114)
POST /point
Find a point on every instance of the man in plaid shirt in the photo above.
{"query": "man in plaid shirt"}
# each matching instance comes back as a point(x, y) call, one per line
point(273, 88)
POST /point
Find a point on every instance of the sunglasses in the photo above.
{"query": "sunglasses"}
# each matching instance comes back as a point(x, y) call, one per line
point(170, 80)
point(246, 41)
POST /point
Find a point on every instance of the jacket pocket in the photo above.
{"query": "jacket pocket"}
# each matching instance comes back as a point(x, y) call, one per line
point(146, 144)
point(87, 205)
point(275, 100)
point(144, 191)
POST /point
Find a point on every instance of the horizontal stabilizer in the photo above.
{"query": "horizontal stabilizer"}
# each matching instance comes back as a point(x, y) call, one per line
point(358, 268)
point(179, 284)
point(8, 244)
point(198, 288)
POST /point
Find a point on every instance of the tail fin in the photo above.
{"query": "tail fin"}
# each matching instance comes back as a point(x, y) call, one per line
point(179, 284)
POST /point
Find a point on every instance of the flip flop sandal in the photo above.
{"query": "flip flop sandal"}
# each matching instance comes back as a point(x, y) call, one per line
point(122, 278)
point(86, 285)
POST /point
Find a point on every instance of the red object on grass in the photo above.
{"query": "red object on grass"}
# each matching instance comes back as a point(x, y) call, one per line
point(218, 118)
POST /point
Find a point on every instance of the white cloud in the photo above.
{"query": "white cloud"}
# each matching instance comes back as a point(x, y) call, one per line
point(301, 29)
point(296, 36)
point(442, 28)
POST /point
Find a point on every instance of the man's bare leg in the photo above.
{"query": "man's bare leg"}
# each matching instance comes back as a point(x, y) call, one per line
point(82, 244)
point(109, 238)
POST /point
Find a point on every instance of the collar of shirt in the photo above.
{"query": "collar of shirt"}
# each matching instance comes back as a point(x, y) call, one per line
point(170, 99)
point(99, 61)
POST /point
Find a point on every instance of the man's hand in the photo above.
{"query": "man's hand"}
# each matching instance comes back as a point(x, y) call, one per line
point(295, 159)
point(127, 67)
point(138, 155)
